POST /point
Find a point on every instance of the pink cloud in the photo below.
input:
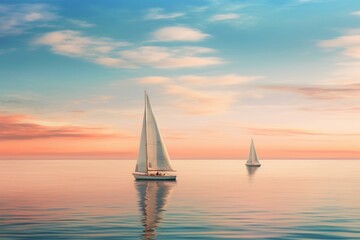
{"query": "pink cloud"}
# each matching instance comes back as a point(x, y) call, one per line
point(22, 127)
point(321, 92)
point(169, 34)
point(349, 43)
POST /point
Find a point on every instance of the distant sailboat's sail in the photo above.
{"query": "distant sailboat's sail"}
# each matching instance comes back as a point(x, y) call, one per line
point(158, 158)
point(141, 161)
point(253, 159)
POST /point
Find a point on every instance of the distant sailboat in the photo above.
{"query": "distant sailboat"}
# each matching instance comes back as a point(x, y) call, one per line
point(253, 160)
point(153, 161)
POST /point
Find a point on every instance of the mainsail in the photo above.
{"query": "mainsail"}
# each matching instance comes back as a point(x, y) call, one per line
point(253, 159)
point(153, 155)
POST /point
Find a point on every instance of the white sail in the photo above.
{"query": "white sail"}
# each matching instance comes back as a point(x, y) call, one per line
point(158, 158)
point(141, 161)
point(152, 155)
point(252, 159)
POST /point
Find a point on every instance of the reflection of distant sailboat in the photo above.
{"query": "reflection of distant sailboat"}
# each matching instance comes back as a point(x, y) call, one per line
point(251, 170)
point(153, 160)
point(153, 197)
point(253, 160)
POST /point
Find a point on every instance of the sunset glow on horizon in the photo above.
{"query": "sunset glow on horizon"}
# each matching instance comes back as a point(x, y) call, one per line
point(218, 73)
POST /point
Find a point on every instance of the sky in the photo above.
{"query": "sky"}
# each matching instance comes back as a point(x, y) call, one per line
point(218, 73)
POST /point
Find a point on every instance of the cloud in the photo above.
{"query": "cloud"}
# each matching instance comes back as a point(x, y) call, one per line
point(170, 57)
point(80, 23)
point(22, 127)
point(347, 109)
point(169, 34)
point(293, 132)
point(20, 100)
point(200, 101)
point(222, 80)
point(200, 80)
point(199, 94)
point(281, 131)
point(321, 92)
point(224, 17)
point(17, 18)
point(349, 43)
point(157, 13)
point(357, 13)
point(6, 51)
point(119, 54)
point(73, 43)
point(95, 99)
point(153, 80)
point(346, 72)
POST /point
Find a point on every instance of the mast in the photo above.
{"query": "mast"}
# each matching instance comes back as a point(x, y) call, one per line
point(146, 148)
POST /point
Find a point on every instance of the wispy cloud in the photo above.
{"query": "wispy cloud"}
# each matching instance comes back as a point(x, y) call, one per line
point(158, 13)
point(347, 72)
point(293, 132)
point(200, 101)
point(356, 13)
point(281, 131)
point(170, 57)
point(321, 92)
point(73, 43)
point(22, 127)
point(225, 17)
point(154, 80)
point(222, 80)
point(333, 109)
point(80, 23)
point(6, 51)
point(119, 54)
point(198, 94)
point(349, 43)
point(178, 33)
point(17, 18)
point(95, 100)
point(20, 100)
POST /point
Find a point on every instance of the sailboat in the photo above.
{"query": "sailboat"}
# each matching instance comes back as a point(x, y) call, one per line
point(153, 161)
point(153, 197)
point(253, 160)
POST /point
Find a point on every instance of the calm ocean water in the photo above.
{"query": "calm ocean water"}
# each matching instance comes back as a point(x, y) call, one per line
point(214, 199)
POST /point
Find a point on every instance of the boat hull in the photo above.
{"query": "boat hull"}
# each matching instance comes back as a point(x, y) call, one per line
point(138, 176)
point(251, 165)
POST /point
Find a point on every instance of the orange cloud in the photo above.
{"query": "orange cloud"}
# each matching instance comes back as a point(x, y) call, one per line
point(21, 127)
point(200, 94)
point(321, 92)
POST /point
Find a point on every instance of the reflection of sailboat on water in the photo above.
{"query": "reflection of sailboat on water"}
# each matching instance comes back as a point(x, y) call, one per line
point(253, 160)
point(251, 171)
point(153, 160)
point(153, 197)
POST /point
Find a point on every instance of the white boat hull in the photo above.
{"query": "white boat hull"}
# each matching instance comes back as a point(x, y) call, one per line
point(141, 176)
point(252, 165)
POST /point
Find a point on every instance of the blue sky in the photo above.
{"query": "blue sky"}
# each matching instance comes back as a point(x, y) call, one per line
point(279, 71)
